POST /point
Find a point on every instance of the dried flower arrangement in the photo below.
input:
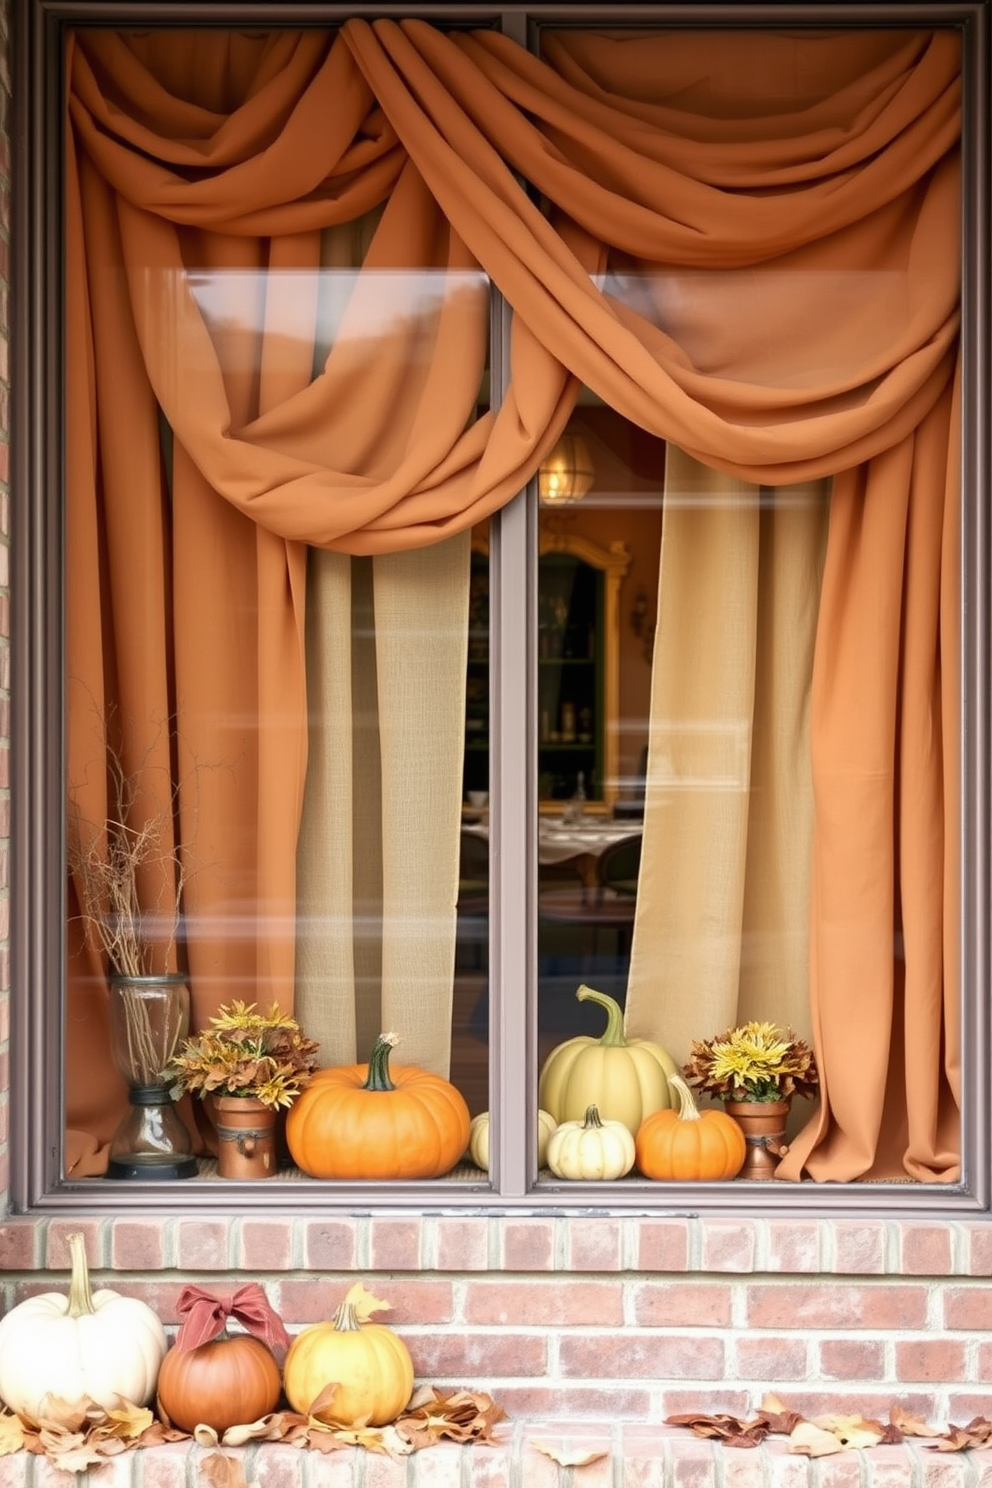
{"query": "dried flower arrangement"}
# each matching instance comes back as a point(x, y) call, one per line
point(755, 1062)
point(245, 1052)
point(114, 861)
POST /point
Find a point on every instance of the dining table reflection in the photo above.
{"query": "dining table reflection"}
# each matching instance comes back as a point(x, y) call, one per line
point(578, 845)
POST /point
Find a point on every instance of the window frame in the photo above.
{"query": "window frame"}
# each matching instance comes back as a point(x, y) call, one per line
point(38, 732)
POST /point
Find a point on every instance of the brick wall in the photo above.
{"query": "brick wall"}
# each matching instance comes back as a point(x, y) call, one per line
point(598, 1318)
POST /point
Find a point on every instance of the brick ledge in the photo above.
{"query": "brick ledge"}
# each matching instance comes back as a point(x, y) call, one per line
point(638, 1456)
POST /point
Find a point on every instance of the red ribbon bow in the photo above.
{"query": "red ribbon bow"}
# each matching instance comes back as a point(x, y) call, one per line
point(205, 1314)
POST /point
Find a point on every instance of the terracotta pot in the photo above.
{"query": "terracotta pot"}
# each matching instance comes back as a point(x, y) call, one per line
point(246, 1137)
point(763, 1125)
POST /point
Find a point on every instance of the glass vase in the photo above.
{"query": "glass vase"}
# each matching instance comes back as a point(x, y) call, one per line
point(149, 1018)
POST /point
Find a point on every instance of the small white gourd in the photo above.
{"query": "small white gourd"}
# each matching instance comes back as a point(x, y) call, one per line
point(592, 1148)
point(478, 1138)
point(97, 1344)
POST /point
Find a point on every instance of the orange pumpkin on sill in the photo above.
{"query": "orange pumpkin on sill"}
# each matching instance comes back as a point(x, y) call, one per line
point(360, 1121)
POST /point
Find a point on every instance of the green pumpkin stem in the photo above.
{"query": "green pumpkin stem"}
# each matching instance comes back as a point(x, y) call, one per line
point(613, 1037)
point(80, 1296)
point(593, 1118)
point(346, 1318)
point(688, 1110)
point(378, 1075)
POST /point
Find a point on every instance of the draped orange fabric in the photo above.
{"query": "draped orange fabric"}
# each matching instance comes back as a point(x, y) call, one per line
point(812, 178)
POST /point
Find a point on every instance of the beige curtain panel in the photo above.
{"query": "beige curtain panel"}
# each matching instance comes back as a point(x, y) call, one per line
point(827, 218)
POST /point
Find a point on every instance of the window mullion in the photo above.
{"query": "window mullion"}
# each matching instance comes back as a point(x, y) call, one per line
point(513, 836)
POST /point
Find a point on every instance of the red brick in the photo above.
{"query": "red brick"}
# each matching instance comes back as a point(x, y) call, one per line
point(630, 1355)
point(330, 1244)
point(859, 1248)
point(57, 1243)
point(925, 1250)
point(165, 1466)
point(463, 1243)
point(161, 1296)
point(137, 1245)
point(19, 1241)
point(793, 1246)
point(201, 1244)
point(685, 1304)
point(930, 1360)
point(967, 1307)
point(662, 1245)
point(694, 1463)
point(278, 1466)
point(528, 1244)
point(852, 1358)
point(441, 1467)
point(545, 1303)
point(415, 1300)
point(978, 1250)
point(593, 1244)
point(874, 1403)
point(266, 1245)
point(308, 1299)
point(963, 1405)
point(15, 1470)
point(842, 1470)
point(570, 1401)
point(727, 1245)
point(834, 1305)
point(727, 1400)
point(466, 1357)
point(394, 1244)
point(772, 1358)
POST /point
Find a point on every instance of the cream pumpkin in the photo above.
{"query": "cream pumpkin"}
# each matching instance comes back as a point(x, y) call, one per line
point(478, 1138)
point(97, 1344)
point(626, 1079)
point(591, 1148)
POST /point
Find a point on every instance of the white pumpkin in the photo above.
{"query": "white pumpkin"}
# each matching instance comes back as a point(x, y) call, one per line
point(592, 1148)
point(478, 1138)
point(97, 1344)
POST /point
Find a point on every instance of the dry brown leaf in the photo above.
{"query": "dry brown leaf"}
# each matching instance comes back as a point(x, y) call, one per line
point(11, 1434)
point(571, 1456)
point(773, 1405)
point(128, 1422)
point(813, 1441)
point(76, 1459)
point(364, 1303)
point(852, 1431)
point(732, 1430)
point(158, 1432)
point(276, 1426)
point(459, 1415)
point(909, 1424)
point(221, 1471)
point(322, 1409)
point(206, 1436)
point(977, 1433)
point(322, 1440)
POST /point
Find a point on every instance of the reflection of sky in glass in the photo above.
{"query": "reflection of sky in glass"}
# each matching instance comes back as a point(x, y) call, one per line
point(734, 322)
point(353, 304)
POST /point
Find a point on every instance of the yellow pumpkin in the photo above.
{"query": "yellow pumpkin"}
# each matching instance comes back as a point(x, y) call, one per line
point(369, 1365)
point(625, 1079)
point(591, 1148)
point(478, 1138)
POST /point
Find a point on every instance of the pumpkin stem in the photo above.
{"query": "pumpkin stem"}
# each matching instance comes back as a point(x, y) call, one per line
point(613, 1036)
point(688, 1110)
point(592, 1118)
point(80, 1296)
point(346, 1318)
point(378, 1075)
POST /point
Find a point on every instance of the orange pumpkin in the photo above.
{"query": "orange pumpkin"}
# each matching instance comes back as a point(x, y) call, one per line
point(228, 1382)
point(365, 1121)
point(688, 1143)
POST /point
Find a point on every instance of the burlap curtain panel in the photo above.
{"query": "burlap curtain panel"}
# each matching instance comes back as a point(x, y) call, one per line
point(825, 222)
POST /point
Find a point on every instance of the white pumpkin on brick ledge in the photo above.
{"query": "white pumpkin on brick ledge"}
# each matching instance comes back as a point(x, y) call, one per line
point(99, 1344)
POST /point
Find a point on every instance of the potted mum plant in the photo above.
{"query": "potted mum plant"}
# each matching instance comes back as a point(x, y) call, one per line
point(755, 1069)
point(249, 1065)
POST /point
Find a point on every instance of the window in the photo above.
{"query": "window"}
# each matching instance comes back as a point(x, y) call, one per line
point(493, 492)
